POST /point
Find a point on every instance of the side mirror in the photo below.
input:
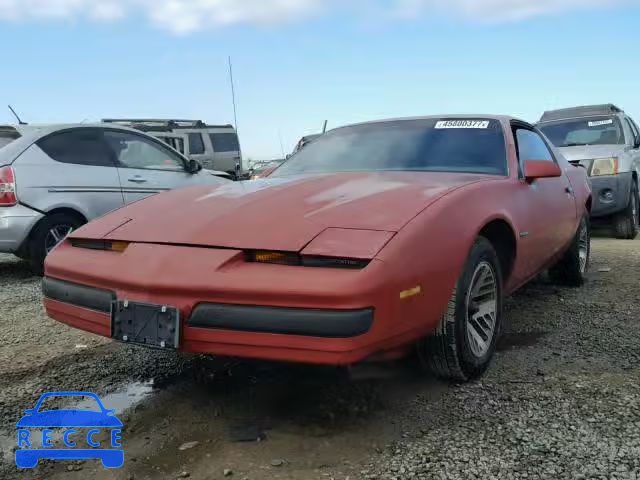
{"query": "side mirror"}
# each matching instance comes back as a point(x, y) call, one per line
point(637, 142)
point(193, 166)
point(534, 169)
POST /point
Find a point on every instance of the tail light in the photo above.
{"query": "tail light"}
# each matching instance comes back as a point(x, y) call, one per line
point(8, 196)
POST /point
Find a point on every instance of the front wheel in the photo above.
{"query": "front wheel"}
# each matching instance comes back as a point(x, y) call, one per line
point(625, 223)
point(462, 346)
point(47, 234)
point(572, 268)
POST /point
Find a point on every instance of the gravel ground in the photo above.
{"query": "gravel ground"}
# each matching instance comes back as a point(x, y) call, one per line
point(561, 399)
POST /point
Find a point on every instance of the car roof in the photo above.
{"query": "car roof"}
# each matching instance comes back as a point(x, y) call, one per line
point(581, 111)
point(499, 118)
point(36, 131)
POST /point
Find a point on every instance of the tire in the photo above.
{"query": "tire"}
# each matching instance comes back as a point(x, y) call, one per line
point(572, 268)
point(625, 223)
point(41, 239)
point(451, 353)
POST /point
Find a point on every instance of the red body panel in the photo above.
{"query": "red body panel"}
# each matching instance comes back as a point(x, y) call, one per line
point(416, 228)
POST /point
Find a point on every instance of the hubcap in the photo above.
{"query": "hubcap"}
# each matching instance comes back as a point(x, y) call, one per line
point(56, 235)
point(583, 247)
point(482, 309)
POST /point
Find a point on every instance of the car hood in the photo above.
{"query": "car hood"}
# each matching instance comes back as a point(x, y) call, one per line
point(586, 153)
point(281, 213)
point(69, 418)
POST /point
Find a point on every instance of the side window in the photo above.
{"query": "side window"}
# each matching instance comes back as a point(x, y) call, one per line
point(135, 151)
point(633, 128)
point(531, 146)
point(224, 142)
point(196, 144)
point(83, 146)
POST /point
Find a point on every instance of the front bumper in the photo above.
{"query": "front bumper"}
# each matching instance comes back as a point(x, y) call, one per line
point(15, 224)
point(610, 193)
point(241, 318)
point(233, 308)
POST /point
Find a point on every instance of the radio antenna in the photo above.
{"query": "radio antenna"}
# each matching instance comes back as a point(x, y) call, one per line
point(16, 115)
point(233, 95)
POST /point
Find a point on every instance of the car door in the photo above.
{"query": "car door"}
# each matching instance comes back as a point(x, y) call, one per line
point(635, 145)
point(147, 166)
point(551, 213)
point(70, 168)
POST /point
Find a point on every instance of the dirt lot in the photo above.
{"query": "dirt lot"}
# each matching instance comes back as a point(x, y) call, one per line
point(561, 400)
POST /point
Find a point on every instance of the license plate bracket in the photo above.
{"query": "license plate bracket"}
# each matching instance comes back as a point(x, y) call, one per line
point(155, 326)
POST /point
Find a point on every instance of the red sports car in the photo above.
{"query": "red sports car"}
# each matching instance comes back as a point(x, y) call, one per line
point(373, 239)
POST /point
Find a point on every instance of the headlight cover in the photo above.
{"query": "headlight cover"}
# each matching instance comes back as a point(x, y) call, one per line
point(348, 243)
point(333, 248)
point(604, 166)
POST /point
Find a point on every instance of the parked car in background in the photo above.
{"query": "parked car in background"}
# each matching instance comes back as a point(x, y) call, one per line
point(606, 141)
point(216, 147)
point(262, 169)
point(389, 234)
point(53, 179)
point(306, 140)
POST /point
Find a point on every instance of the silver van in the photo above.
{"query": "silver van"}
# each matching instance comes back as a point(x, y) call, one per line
point(606, 141)
point(53, 179)
point(216, 147)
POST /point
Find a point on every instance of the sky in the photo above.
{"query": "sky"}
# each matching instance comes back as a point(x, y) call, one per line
point(297, 63)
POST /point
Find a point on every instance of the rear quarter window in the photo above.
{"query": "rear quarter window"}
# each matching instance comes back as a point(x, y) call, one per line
point(78, 147)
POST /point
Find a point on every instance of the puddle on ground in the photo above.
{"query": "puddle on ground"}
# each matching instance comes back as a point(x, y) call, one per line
point(509, 341)
point(120, 400)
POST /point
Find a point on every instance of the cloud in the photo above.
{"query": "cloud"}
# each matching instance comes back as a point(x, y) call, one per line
point(186, 16)
point(498, 10)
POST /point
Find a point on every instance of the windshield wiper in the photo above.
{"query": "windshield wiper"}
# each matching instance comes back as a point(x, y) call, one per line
point(576, 145)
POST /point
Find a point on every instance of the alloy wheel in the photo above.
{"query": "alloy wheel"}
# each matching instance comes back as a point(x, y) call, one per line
point(55, 235)
point(583, 247)
point(482, 309)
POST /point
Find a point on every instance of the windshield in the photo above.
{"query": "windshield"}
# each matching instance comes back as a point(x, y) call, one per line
point(430, 145)
point(584, 131)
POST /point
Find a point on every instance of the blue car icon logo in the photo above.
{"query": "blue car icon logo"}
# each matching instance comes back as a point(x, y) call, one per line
point(36, 444)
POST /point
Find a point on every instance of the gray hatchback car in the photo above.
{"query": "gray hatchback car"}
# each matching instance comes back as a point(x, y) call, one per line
point(605, 141)
point(53, 179)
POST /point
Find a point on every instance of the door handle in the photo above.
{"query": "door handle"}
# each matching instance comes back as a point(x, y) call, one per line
point(138, 180)
point(569, 190)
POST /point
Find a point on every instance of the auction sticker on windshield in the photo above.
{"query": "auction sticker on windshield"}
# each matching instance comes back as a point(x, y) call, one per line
point(601, 122)
point(463, 124)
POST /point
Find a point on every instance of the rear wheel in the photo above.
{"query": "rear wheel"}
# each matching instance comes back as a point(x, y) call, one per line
point(462, 346)
point(626, 223)
point(48, 233)
point(573, 266)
